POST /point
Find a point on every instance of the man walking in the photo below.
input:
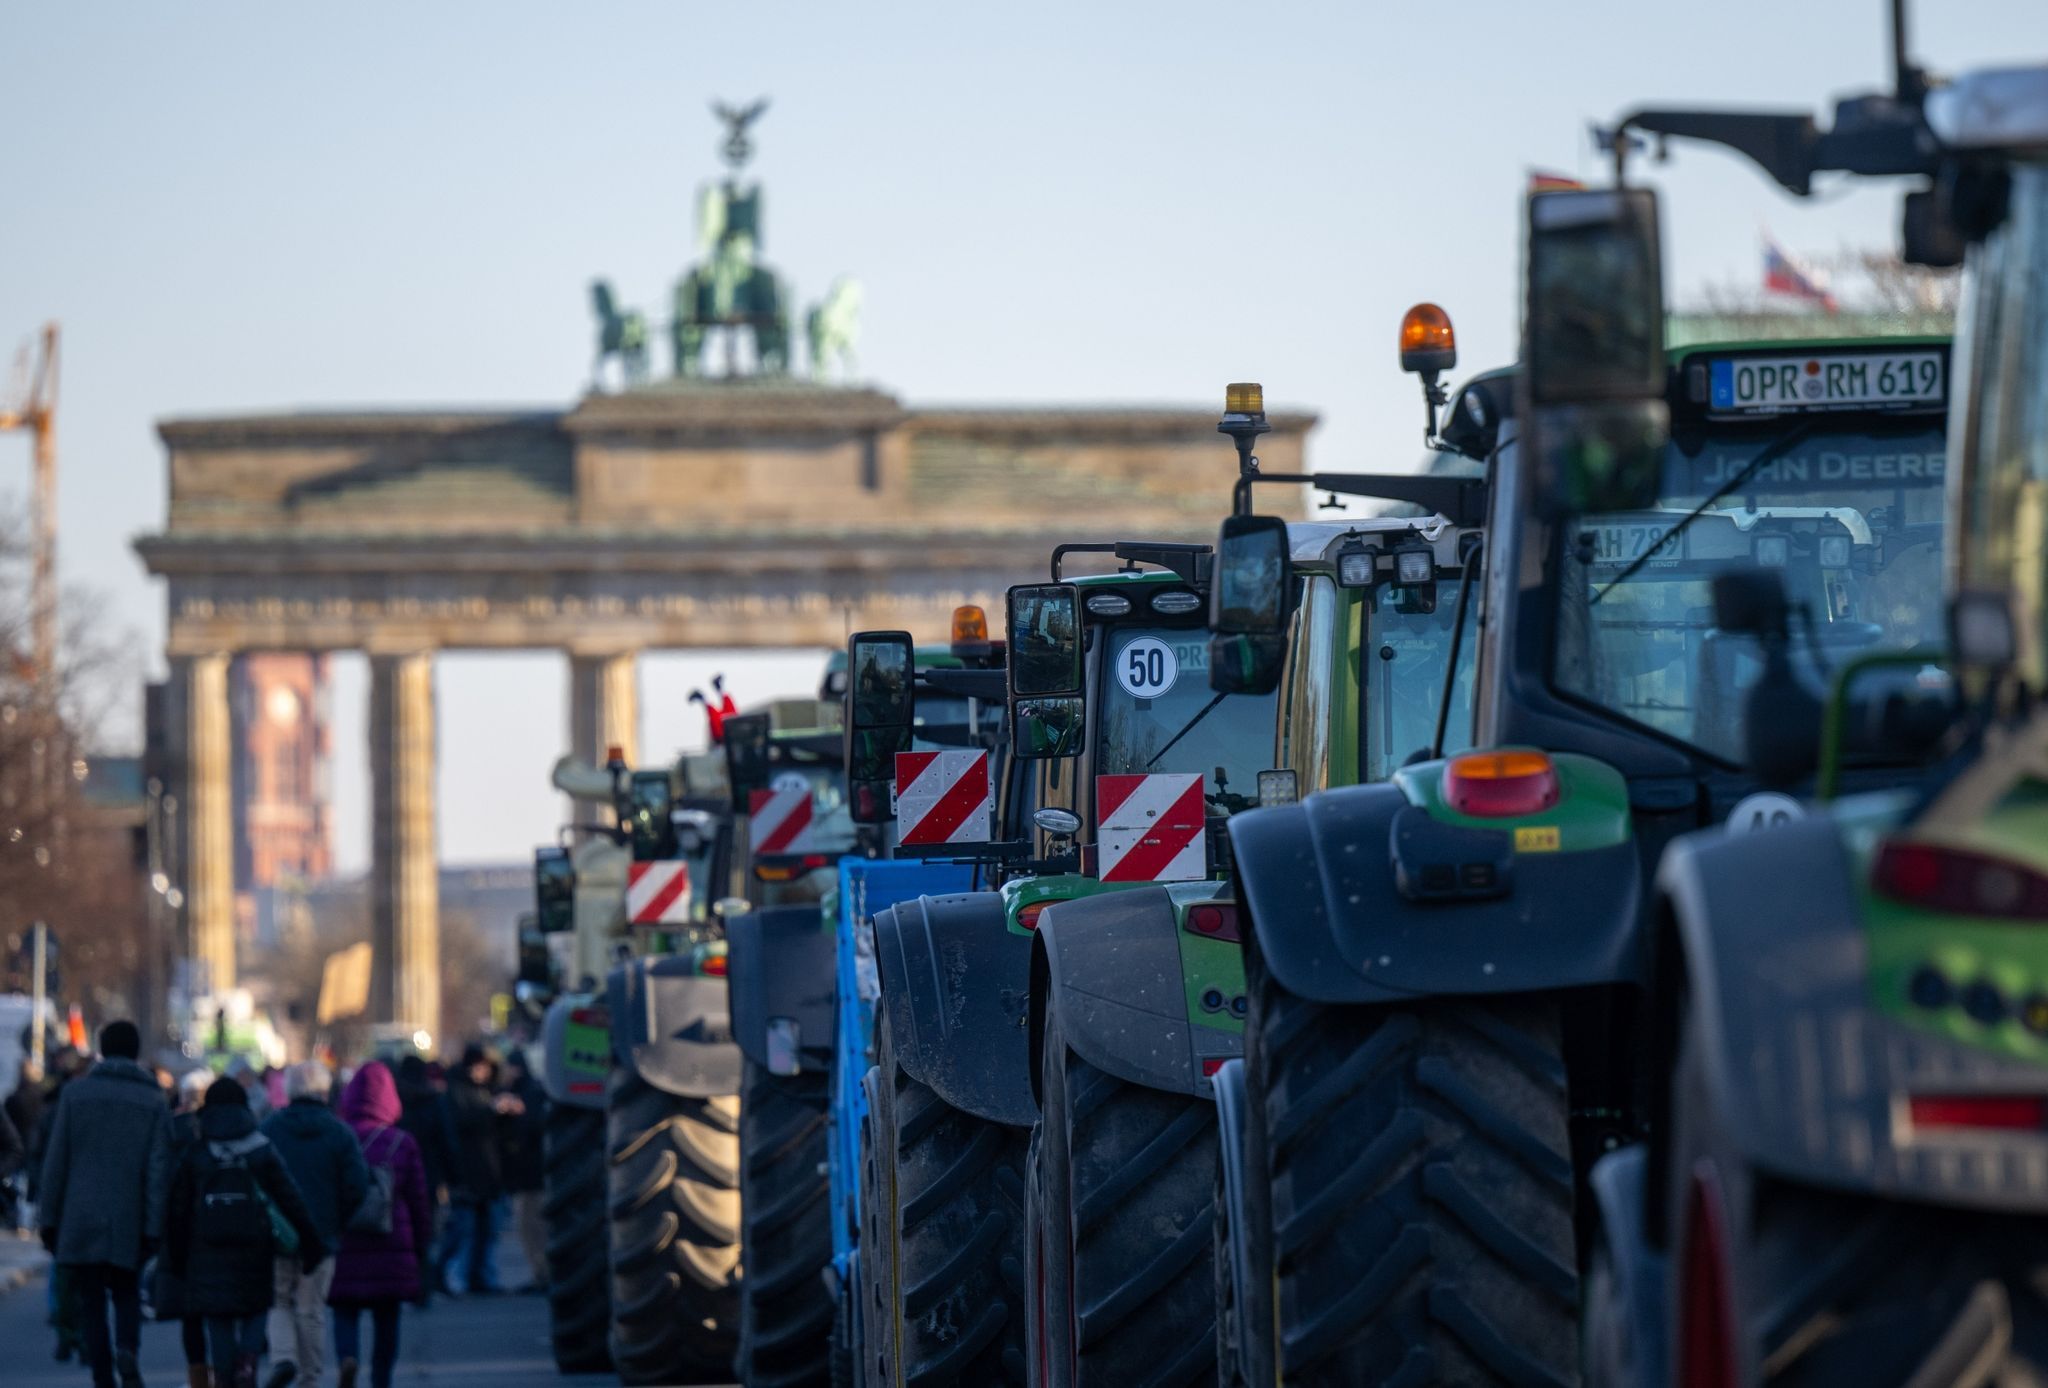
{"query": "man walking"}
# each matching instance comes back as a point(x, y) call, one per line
point(524, 1166)
point(327, 1166)
point(106, 1171)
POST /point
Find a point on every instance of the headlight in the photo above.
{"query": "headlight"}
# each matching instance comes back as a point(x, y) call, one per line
point(1414, 566)
point(1108, 604)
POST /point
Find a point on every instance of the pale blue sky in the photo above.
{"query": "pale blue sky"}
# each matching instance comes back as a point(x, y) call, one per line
point(251, 206)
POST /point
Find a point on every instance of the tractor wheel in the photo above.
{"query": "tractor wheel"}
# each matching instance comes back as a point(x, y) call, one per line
point(1251, 1228)
point(675, 1214)
point(878, 1224)
point(785, 1302)
point(572, 1207)
point(1421, 1192)
point(1121, 1227)
point(1794, 1286)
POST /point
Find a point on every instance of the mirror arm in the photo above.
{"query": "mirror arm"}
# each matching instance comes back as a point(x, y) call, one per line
point(1460, 500)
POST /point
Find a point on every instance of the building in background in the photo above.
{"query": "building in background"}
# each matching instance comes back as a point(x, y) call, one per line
point(282, 787)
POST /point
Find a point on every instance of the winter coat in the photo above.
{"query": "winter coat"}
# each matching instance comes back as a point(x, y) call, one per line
point(423, 1119)
point(476, 1134)
point(106, 1165)
point(325, 1162)
point(223, 1280)
point(524, 1167)
point(25, 1110)
point(167, 1293)
point(381, 1267)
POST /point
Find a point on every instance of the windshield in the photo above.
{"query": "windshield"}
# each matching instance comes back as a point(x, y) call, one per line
point(1153, 684)
point(1404, 673)
point(2002, 365)
point(1850, 518)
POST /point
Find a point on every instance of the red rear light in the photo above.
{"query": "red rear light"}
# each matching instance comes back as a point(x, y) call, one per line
point(1501, 785)
point(712, 966)
point(1958, 881)
point(1211, 1065)
point(814, 861)
point(1706, 1311)
point(1215, 919)
point(590, 1017)
point(2009, 1112)
point(1028, 916)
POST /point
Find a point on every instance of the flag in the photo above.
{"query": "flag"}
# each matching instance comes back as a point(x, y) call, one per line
point(1543, 181)
point(1784, 275)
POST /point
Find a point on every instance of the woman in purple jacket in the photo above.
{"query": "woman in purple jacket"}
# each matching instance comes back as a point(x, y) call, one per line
point(379, 1272)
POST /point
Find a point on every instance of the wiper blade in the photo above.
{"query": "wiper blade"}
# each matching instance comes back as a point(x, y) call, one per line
point(1770, 453)
point(1186, 728)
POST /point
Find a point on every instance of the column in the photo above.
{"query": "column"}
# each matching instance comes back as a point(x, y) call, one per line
point(200, 684)
point(604, 712)
point(405, 922)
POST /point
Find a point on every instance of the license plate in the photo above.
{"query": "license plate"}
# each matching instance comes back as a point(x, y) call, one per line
point(1192, 656)
point(1624, 544)
point(1826, 382)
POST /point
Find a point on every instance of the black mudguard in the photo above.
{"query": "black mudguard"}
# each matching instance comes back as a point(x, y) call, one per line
point(1641, 1272)
point(1111, 964)
point(671, 1027)
point(782, 963)
point(1805, 1075)
point(1233, 1113)
point(957, 985)
point(1318, 881)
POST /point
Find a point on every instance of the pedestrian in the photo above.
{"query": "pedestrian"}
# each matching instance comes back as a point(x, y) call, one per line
point(13, 1153)
point(106, 1164)
point(378, 1272)
point(167, 1296)
point(232, 1207)
point(525, 1165)
point(476, 1124)
point(327, 1166)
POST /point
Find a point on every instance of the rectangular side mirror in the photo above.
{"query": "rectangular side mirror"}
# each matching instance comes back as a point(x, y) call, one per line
point(881, 672)
point(1048, 726)
point(648, 816)
point(1251, 587)
point(554, 890)
point(536, 965)
point(746, 757)
point(1048, 707)
point(1246, 664)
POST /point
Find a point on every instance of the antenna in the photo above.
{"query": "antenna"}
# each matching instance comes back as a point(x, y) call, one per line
point(1910, 81)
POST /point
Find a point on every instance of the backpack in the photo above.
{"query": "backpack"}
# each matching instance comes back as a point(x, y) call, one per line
point(231, 1212)
point(373, 1215)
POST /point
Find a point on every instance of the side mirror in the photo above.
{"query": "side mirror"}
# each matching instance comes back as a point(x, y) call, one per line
point(554, 890)
point(881, 709)
point(1048, 710)
point(1593, 349)
point(536, 965)
point(1246, 664)
point(1251, 587)
point(647, 815)
point(746, 757)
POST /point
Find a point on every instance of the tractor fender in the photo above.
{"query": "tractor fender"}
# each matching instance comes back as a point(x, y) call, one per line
point(1318, 880)
point(783, 965)
point(670, 1027)
point(1640, 1271)
point(956, 983)
point(1233, 1114)
point(575, 1039)
point(1112, 966)
point(1807, 1077)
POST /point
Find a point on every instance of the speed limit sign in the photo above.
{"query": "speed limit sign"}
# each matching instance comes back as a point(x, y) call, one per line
point(1767, 809)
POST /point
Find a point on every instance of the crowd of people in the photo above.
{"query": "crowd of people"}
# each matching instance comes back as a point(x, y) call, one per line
point(264, 1214)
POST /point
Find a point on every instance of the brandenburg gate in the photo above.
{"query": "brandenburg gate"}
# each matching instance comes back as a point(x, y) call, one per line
point(689, 513)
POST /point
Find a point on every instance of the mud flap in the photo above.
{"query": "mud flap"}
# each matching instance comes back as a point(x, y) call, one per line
point(1637, 1276)
point(1231, 1117)
point(782, 963)
point(957, 984)
point(671, 1027)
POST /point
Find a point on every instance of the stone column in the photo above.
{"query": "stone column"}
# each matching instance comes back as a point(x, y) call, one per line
point(604, 712)
point(200, 687)
point(405, 922)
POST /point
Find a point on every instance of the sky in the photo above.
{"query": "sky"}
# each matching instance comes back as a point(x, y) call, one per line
point(238, 207)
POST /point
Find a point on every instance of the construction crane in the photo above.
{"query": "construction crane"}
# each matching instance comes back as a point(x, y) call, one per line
point(31, 405)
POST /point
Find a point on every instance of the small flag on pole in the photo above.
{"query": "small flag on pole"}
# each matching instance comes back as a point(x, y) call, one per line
point(1544, 181)
point(1786, 276)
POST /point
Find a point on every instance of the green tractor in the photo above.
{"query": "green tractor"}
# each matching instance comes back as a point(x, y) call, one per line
point(1847, 1185)
point(1448, 971)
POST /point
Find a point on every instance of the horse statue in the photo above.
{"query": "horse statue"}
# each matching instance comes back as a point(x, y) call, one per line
point(621, 333)
point(833, 327)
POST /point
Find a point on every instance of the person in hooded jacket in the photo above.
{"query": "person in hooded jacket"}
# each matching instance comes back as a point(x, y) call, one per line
point(218, 1233)
point(327, 1166)
point(167, 1297)
point(378, 1273)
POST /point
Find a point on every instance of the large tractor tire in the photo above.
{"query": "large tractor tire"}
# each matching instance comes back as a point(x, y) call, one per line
point(877, 1367)
point(573, 1209)
point(1782, 1285)
point(954, 1220)
point(1121, 1221)
point(1250, 1229)
point(675, 1226)
point(1421, 1188)
point(785, 1302)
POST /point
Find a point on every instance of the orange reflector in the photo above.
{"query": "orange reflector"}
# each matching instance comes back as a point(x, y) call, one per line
point(776, 872)
point(1244, 397)
point(1427, 340)
point(614, 753)
point(2010, 1112)
point(970, 623)
point(1028, 916)
point(1501, 785)
point(713, 966)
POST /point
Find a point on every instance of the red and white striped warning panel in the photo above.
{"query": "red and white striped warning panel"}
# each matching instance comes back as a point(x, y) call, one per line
point(779, 821)
point(944, 797)
point(1151, 828)
point(658, 893)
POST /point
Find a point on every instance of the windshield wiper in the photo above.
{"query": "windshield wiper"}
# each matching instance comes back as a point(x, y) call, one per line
point(1186, 728)
point(1770, 453)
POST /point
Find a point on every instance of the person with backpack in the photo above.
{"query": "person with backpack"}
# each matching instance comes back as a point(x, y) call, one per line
point(327, 1166)
point(106, 1163)
point(233, 1210)
point(379, 1270)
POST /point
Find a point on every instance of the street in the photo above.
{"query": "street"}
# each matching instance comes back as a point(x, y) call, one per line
point(500, 1341)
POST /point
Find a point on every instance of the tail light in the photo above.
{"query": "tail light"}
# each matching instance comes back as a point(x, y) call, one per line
point(1027, 916)
point(590, 1017)
point(1210, 1065)
point(1501, 785)
point(2000, 1112)
point(775, 872)
point(712, 966)
point(1217, 920)
point(1958, 881)
point(1706, 1310)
